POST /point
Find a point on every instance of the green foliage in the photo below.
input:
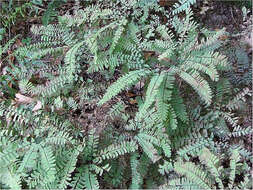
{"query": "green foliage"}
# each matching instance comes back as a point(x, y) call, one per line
point(215, 173)
point(183, 5)
point(112, 97)
point(51, 12)
point(129, 79)
point(11, 10)
point(242, 71)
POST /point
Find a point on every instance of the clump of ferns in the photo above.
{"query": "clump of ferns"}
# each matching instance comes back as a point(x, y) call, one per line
point(222, 171)
point(221, 121)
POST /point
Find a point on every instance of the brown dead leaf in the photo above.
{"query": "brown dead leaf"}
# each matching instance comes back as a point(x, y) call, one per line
point(18, 43)
point(223, 37)
point(148, 54)
point(130, 94)
point(10, 84)
point(37, 106)
point(23, 99)
point(132, 101)
point(11, 57)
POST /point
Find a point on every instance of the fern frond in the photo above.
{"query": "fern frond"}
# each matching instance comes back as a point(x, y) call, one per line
point(118, 34)
point(164, 95)
point(48, 164)
point(99, 170)
point(246, 183)
point(235, 102)
point(129, 79)
point(151, 94)
point(7, 157)
point(182, 5)
point(78, 181)
point(194, 148)
point(91, 144)
point(116, 174)
point(212, 39)
point(115, 150)
point(212, 161)
point(178, 106)
point(166, 148)
point(61, 138)
point(199, 84)
point(179, 183)
point(69, 168)
point(235, 158)
point(148, 148)
point(10, 178)
point(165, 168)
point(172, 117)
point(7, 45)
point(209, 69)
point(223, 87)
point(193, 173)
point(239, 131)
point(30, 158)
point(70, 60)
point(91, 181)
point(136, 176)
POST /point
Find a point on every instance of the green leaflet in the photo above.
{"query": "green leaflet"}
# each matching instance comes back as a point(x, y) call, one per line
point(235, 158)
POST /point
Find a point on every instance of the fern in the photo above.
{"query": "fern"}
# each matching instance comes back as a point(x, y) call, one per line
point(113, 151)
point(117, 35)
point(194, 173)
point(179, 107)
point(198, 176)
point(90, 180)
point(151, 93)
point(11, 179)
point(136, 177)
point(235, 157)
point(235, 102)
point(78, 181)
point(164, 95)
point(156, 133)
point(48, 164)
point(182, 5)
point(211, 161)
point(194, 148)
point(127, 80)
point(148, 148)
point(50, 12)
point(199, 84)
point(116, 174)
point(30, 158)
point(69, 167)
